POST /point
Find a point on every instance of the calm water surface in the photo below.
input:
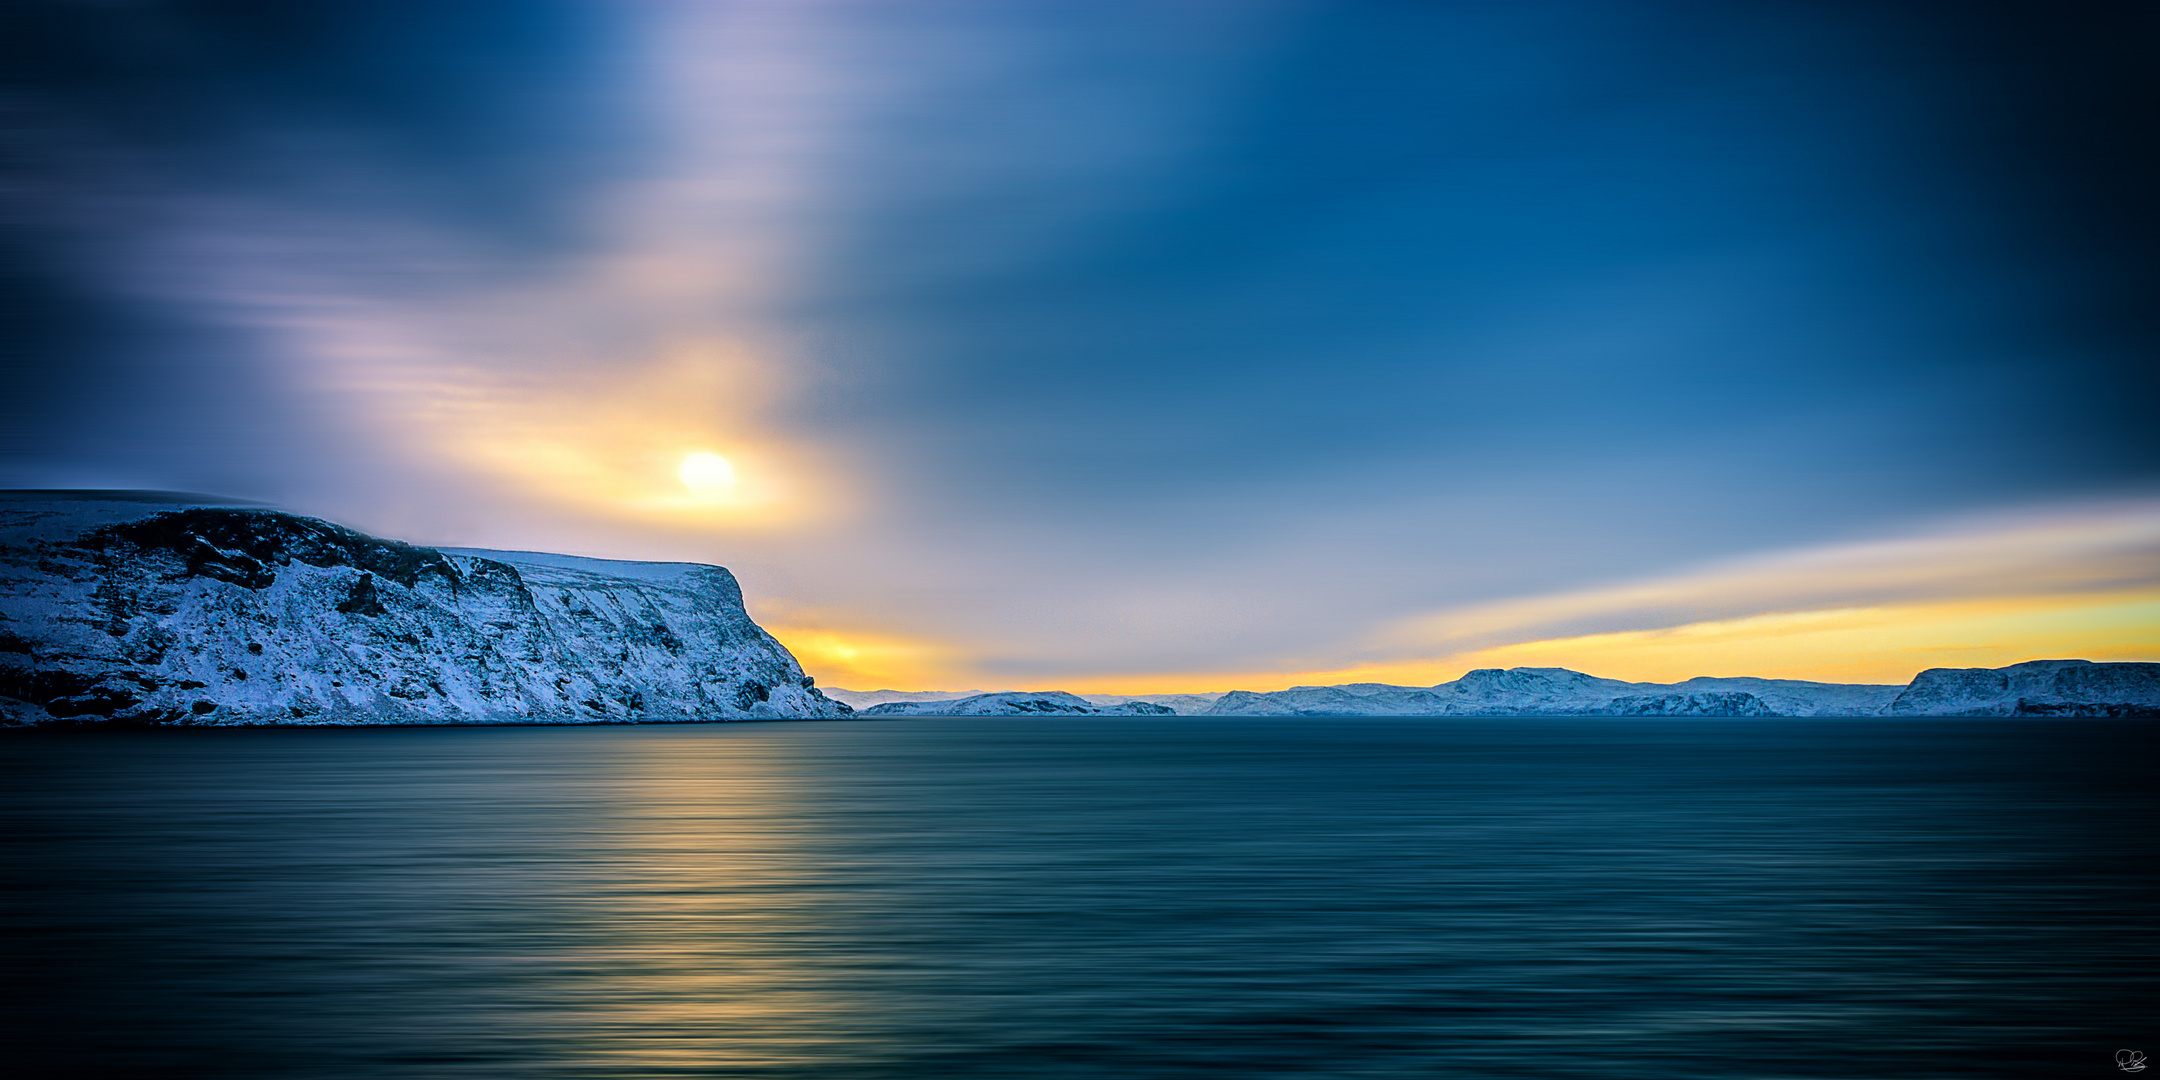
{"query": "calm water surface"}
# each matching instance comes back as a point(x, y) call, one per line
point(1159, 897)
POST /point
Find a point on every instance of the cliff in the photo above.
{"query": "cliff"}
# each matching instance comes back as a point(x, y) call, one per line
point(152, 609)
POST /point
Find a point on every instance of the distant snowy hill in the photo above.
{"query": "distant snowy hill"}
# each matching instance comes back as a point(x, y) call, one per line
point(1018, 703)
point(1558, 691)
point(1180, 703)
point(154, 608)
point(2035, 688)
point(2038, 688)
point(1177, 703)
point(863, 699)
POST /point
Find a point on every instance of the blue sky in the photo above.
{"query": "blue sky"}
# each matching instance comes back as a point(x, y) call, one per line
point(1177, 345)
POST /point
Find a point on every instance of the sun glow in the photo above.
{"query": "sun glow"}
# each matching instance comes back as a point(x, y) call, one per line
point(678, 441)
point(868, 660)
point(706, 473)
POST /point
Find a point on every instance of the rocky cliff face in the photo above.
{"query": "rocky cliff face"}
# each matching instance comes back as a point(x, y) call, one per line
point(135, 611)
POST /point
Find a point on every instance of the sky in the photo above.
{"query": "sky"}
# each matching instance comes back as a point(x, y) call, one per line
point(1140, 347)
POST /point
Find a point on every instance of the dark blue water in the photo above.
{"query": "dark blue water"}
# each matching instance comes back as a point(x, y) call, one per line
point(1178, 897)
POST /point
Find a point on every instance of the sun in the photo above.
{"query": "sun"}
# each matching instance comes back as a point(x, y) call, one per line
point(706, 473)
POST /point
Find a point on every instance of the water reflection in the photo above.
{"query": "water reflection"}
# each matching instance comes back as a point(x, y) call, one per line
point(707, 930)
point(1094, 897)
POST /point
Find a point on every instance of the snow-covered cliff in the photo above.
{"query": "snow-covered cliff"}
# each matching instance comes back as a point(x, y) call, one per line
point(159, 609)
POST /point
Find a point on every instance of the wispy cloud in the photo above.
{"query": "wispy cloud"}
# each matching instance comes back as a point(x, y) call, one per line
point(2055, 551)
point(1975, 591)
point(1047, 342)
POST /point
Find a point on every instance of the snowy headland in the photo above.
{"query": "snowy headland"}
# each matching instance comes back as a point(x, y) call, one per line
point(158, 608)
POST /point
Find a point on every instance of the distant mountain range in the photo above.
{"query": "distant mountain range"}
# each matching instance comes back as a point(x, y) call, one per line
point(1019, 703)
point(2036, 688)
point(1101, 703)
point(161, 608)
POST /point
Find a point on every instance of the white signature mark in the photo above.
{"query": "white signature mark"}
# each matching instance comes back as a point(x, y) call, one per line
point(2130, 1060)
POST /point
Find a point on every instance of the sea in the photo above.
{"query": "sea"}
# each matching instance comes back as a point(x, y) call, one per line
point(1086, 897)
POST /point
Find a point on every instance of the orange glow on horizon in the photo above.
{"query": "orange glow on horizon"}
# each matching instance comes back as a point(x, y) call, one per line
point(1881, 644)
point(1887, 644)
point(869, 661)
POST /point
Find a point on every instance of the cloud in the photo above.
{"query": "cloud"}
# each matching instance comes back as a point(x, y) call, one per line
point(1086, 338)
point(2087, 550)
point(1977, 591)
point(1885, 643)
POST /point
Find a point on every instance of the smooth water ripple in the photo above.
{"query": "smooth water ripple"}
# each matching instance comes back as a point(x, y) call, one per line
point(1096, 897)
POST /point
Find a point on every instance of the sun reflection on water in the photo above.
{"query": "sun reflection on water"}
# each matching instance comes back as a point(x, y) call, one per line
point(705, 918)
